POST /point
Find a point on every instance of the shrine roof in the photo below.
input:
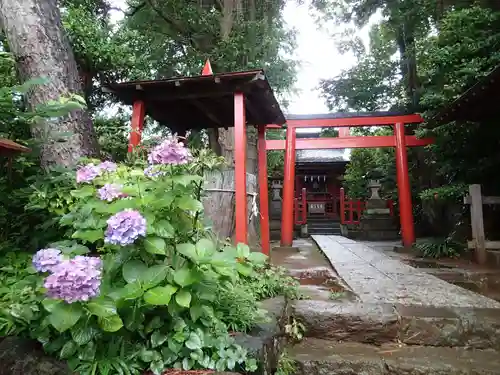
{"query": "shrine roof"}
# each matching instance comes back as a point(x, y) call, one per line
point(8, 147)
point(478, 103)
point(333, 156)
point(205, 101)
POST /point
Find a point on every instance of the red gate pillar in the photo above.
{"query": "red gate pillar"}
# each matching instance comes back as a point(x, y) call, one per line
point(404, 187)
point(288, 189)
point(136, 125)
point(240, 172)
point(264, 197)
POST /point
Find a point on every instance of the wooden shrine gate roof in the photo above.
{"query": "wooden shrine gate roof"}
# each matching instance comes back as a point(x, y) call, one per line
point(205, 101)
point(8, 147)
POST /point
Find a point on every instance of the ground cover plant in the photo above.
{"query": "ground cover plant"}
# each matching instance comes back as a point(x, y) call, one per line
point(138, 282)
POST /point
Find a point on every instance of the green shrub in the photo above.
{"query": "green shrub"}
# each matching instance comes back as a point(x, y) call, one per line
point(440, 248)
point(136, 283)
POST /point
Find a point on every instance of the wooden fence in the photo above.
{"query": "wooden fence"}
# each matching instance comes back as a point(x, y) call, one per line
point(479, 242)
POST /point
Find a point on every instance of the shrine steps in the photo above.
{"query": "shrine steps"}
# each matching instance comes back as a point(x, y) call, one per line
point(318, 357)
point(325, 226)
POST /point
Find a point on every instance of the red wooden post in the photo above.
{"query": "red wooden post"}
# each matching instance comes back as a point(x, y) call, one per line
point(288, 189)
point(342, 206)
point(138, 111)
point(404, 187)
point(240, 172)
point(304, 206)
point(264, 197)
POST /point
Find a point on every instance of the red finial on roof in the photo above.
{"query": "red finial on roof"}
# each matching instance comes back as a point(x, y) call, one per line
point(207, 69)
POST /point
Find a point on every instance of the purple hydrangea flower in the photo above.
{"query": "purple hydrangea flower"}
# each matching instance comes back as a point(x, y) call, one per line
point(125, 227)
point(46, 259)
point(153, 171)
point(107, 166)
point(110, 191)
point(76, 279)
point(87, 173)
point(170, 151)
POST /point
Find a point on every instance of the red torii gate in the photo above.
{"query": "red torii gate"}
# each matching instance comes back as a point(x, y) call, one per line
point(290, 145)
point(345, 121)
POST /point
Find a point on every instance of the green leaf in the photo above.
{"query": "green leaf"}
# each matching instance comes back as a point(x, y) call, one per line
point(147, 355)
point(155, 245)
point(205, 248)
point(185, 276)
point(82, 335)
point(196, 312)
point(244, 269)
point(185, 180)
point(183, 298)
point(84, 192)
point(102, 307)
point(89, 235)
point(257, 257)
point(194, 341)
point(242, 250)
point(64, 316)
point(189, 204)
point(68, 349)
point(164, 229)
point(133, 318)
point(154, 275)
point(111, 323)
point(131, 291)
point(50, 304)
point(88, 352)
point(160, 295)
point(157, 367)
point(158, 338)
point(133, 271)
point(188, 250)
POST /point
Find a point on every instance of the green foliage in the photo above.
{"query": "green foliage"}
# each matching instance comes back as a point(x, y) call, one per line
point(442, 52)
point(113, 135)
point(168, 300)
point(177, 36)
point(371, 164)
point(21, 171)
point(440, 248)
point(19, 302)
point(452, 193)
point(275, 159)
point(286, 365)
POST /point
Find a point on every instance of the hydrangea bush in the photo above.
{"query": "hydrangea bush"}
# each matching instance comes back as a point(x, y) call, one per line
point(133, 289)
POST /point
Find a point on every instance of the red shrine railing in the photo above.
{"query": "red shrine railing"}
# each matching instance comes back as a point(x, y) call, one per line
point(300, 209)
point(352, 209)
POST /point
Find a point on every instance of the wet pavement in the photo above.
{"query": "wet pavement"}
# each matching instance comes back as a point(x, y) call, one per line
point(305, 262)
point(380, 276)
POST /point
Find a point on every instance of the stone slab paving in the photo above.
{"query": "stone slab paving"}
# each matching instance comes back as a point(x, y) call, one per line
point(377, 278)
point(316, 356)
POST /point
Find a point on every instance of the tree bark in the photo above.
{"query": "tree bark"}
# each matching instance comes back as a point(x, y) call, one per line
point(36, 37)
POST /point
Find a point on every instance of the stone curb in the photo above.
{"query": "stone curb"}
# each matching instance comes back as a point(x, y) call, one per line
point(412, 325)
point(315, 356)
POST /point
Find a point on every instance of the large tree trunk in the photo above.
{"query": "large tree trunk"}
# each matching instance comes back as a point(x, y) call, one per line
point(36, 38)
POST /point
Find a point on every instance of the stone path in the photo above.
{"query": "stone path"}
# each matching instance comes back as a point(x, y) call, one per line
point(377, 278)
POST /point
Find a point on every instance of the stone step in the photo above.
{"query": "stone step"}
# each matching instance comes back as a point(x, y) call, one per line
point(323, 225)
point(325, 232)
point(413, 325)
point(321, 357)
